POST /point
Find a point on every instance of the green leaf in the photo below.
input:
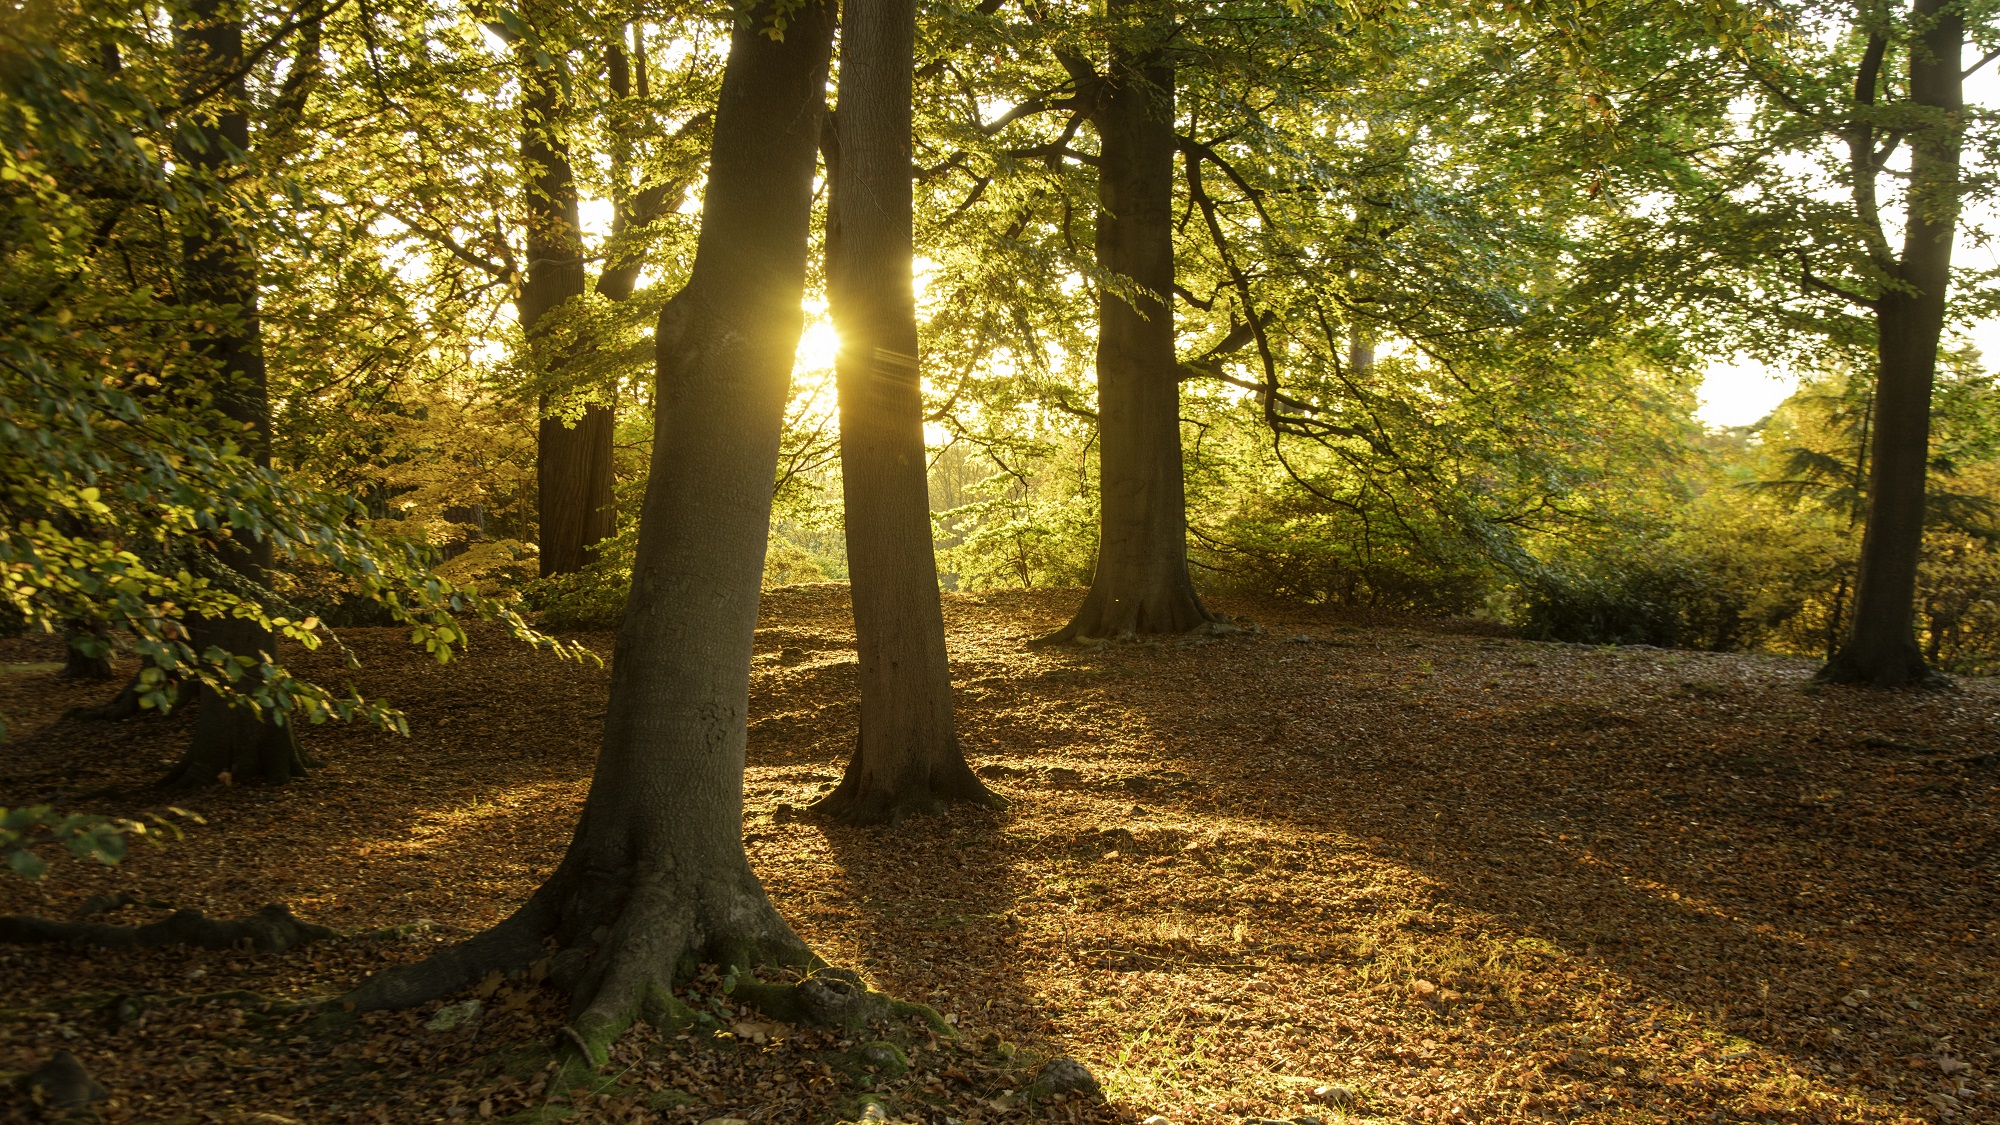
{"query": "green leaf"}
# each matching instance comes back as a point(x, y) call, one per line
point(27, 864)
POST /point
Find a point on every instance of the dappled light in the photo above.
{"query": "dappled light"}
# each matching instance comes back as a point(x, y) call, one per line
point(999, 562)
point(1378, 854)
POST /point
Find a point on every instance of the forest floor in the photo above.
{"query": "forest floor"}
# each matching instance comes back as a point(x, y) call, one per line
point(1462, 876)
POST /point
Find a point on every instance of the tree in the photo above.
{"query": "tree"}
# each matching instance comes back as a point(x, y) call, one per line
point(136, 474)
point(656, 875)
point(1910, 315)
point(1141, 584)
point(572, 455)
point(906, 757)
point(219, 279)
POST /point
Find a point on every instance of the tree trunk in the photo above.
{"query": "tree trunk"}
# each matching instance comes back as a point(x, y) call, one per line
point(1882, 648)
point(1141, 585)
point(220, 274)
point(572, 457)
point(907, 758)
point(655, 877)
point(87, 655)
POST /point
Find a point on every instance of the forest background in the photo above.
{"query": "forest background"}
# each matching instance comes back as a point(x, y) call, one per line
point(1445, 300)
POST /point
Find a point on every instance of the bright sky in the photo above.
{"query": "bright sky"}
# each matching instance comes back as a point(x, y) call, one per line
point(1739, 392)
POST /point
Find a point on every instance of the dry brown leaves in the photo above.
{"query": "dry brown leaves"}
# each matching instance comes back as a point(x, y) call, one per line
point(1461, 876)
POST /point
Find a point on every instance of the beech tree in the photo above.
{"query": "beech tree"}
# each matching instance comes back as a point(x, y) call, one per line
point(1910, 312)
point(1141, 584)
point(219, 278)
point(1786, 233)
point(656, 875)
point(572, 454)
point(907, 756)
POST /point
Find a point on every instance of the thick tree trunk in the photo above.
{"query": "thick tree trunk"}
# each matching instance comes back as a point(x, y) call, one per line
point(656, 877)
point(1141, 585)
point(572, 456)
point(1882, 648)
point(220, 273)
point(907, 758)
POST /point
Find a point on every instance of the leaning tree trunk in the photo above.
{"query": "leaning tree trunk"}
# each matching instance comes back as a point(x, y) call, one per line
point(1141, 584)
point(231, 742)
point(907, 758)
point(1909, 319)
point(573, 469)
point(655, 876)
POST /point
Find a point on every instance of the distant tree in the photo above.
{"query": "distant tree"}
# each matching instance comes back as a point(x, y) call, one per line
point(1910, 311)
point(1828, 134)
point(1141, 584)
point(142, 511)
point(219, 282)
point(572, 454)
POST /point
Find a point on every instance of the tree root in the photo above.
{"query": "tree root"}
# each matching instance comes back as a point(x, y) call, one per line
point(270, 930)
point(622, 952)
point(836, 999)
point(62, 1083)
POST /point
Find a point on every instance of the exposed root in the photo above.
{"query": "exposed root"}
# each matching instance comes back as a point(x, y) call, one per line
point(623, 968)
point(125, 705)
point(509, 947)
point(270, 930)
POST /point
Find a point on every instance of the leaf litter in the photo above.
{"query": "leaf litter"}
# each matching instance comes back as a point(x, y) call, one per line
point(1350, 867)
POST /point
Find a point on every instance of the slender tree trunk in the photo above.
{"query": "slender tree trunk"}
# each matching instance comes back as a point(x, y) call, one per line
point(907, 758)
point(572, 456)
point(1141, 584)
point(1882, 648)
point(220, 274)
point(656, 876)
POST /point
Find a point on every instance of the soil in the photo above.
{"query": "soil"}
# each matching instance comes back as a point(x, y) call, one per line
point(1457, 875)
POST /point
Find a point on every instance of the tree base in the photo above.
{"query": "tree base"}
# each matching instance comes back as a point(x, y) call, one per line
point(626, 938)
point(1171, 610)
point(82, 666)
point(1902, 666)
point(867, 798)
point(232, 745)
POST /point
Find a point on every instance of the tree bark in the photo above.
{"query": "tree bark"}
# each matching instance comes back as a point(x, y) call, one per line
point(655, 877)
point(1141, 584)
point(572, 457)
point(1882, 648)
point(219, 276)
point(907, 757)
